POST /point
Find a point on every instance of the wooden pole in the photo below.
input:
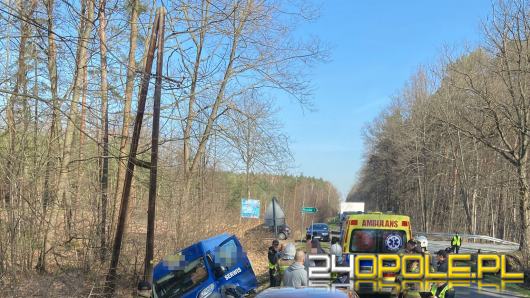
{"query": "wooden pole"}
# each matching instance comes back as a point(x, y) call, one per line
point(151, 211)
point(120, 228)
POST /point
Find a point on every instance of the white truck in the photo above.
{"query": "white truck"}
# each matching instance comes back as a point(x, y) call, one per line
point(351, 207)
point(347, 208)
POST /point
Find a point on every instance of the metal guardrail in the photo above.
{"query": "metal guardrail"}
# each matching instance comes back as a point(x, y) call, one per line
point(468, 236)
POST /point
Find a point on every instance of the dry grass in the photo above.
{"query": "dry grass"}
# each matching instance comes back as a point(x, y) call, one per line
point(69, 281)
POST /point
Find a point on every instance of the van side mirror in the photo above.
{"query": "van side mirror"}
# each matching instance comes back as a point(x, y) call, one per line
point(218, 270)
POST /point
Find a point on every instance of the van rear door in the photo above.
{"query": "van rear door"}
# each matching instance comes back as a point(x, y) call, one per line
point(236, 265)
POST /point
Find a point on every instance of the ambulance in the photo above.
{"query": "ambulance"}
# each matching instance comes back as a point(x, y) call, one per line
point(375, 233)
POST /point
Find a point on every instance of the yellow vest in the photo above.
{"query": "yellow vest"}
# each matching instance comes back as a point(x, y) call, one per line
point(284, 264)
point(434, 288)
point(457, 240)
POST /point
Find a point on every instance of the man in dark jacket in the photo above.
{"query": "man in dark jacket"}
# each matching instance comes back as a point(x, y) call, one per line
point(442, 289)
point(274, 256)
point(441, 258)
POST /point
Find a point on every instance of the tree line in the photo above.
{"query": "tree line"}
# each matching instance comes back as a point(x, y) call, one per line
point(451, 150)
point(70, 77)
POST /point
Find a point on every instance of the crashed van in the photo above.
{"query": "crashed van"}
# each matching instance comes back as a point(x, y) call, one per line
point(209, 268)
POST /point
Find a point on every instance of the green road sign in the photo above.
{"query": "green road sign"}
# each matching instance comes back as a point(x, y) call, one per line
point(309, 209)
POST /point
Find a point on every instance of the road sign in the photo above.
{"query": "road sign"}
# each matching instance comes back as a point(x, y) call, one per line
point(309, 209)
point(250, 208)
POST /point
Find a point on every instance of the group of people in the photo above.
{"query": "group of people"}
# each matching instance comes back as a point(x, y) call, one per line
point(439, 289)
point(288, 266)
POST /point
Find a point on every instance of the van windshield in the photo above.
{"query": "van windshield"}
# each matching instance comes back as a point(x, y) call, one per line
point(178, 282)
point(377, 241)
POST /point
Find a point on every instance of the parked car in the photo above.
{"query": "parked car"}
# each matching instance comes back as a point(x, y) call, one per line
point(319, 231)
point(283, 231)
point(208, 268)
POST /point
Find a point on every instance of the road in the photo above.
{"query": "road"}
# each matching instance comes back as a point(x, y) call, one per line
point(436, 245)
point(474, 291)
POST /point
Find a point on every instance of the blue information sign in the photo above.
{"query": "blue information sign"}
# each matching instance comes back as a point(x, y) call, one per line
point(250, 208)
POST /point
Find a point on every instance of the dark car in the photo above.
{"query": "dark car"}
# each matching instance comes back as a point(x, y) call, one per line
point(319, 231)
point(283, 231)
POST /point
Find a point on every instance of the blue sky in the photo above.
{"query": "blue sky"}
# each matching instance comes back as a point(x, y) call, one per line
point(375, 47)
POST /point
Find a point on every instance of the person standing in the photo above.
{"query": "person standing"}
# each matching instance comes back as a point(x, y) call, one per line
point(308, 239)
point(286, 258)
point(273, 256)
point(442, 289)
point(441, 258)
point(456, 242)
point(316, 248)
point(336, 250)
point(296, 275)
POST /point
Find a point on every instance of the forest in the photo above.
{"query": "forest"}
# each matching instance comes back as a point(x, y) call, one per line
point(71, 75)
point(452, 148)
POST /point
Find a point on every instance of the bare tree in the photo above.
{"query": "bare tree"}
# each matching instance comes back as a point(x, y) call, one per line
point(105, 126)
point(84, 31)
point(257, 140)
point(495, 88)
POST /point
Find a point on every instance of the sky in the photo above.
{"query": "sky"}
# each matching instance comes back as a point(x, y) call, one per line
point(375, 46)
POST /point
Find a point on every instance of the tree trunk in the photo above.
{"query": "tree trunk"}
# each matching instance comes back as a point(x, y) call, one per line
point(104, 182)
point(13, 163)
point(52, 147)
point(127, 103)
point(524, 207)
point(84, 32)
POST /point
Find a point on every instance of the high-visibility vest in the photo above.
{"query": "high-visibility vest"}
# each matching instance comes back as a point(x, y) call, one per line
point(272, 266)
point(434, 289)
point(283, 264)
point(457, 240)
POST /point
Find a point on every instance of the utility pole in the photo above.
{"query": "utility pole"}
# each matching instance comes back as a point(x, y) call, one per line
point(151, 210)
point(303, 214)
point(274, 217)
point(131, 160)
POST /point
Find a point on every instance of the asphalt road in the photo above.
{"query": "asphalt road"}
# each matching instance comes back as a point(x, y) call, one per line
point(474, 291)
point(435, 245)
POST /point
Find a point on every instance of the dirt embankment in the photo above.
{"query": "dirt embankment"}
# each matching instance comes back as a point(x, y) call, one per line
point(65, 282)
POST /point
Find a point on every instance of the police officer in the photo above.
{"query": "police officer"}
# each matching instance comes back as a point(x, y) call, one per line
point(273, 256)
point(456, 242)
point(442, 290)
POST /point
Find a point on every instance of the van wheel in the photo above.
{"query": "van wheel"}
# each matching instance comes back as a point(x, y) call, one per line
point(282, 236)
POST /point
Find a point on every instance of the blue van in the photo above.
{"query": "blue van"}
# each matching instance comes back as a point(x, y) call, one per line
point(205, 269)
